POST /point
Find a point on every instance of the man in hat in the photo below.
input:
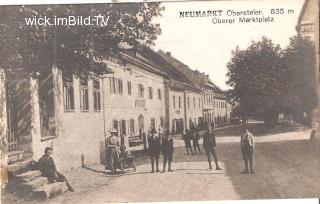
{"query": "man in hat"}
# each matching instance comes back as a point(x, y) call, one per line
point(112, 150)
point(154, 149)
point(167, 150)
point(48, 168)
point(187, 141)
point(247, 145)
point(209, 145)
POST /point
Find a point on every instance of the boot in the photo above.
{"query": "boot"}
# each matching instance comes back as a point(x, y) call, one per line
point(164, 167)
point(157, 165)
point(169, 167)
point(251, 168)
point(152, 165)
point(217, 164)
point(246, 167)
point(210, 166)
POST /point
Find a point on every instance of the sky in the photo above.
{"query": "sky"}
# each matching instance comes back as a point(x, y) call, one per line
point(205, 46)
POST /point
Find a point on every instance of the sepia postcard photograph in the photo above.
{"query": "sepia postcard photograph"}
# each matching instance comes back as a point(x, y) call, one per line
point(159, 101)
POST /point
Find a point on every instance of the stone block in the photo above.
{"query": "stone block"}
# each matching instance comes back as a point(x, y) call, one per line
point(35, 183)
point(28, 176)
point(51, 190)
point(19, 167)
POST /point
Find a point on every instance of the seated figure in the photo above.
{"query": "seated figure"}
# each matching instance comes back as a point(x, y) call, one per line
point(48, 169)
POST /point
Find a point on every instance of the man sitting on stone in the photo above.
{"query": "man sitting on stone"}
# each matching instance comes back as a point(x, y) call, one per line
point(48, 169)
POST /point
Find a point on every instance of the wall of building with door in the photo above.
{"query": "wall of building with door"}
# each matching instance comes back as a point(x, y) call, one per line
point(176, 111)
point(193, 108)
point(134, 101)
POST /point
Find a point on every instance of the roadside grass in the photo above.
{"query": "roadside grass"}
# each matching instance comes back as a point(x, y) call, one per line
point(258, 129)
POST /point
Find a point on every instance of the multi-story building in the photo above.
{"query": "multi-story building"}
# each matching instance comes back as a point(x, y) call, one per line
point(134, 98)
point(207, 101)
point(192, 96)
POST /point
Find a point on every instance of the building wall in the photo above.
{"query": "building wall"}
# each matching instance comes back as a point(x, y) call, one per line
point(194, 110)
point(124, 107)
point(176, 112)
point(78, 132)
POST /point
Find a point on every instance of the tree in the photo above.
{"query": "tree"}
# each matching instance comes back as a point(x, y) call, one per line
point(255, 75)
point(35, 47)
point(299, 97)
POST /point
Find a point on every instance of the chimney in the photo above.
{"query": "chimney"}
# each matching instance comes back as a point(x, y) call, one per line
point(168, 53)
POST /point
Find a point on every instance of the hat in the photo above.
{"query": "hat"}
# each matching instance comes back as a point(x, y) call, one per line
point(47, 149)
point(113, 130)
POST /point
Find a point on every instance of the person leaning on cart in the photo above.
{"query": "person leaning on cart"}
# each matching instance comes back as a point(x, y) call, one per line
point(112, 151)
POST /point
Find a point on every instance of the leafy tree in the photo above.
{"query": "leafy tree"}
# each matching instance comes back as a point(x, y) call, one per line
point(255, 75)
point(36, 47)
point(299, 91)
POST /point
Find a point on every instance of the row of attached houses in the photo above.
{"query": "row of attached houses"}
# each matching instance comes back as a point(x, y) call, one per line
point(73, 110)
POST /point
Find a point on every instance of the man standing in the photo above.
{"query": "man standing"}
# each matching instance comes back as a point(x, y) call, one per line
point(187, 141)
point(247, 145)
point(154, 149)
point(112, 150)
point(209, 145)
point(167, 151)
point(48, 169)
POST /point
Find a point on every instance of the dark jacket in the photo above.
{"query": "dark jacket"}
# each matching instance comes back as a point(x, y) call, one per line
point(167, 146)
point(47, 166)
point(209, 141)
point(154, 145)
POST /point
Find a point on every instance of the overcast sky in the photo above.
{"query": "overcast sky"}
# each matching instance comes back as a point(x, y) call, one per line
point(207, 47)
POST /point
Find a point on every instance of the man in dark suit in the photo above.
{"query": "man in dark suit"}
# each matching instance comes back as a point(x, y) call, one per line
point(48, 169)
point(209, 145)
point(187, 141)
point(154, 149)
point(167, 151)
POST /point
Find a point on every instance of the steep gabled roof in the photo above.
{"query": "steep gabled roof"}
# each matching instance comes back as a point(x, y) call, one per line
point(152, 59)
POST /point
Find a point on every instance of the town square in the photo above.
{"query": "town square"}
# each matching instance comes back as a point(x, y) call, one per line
point(152, 104)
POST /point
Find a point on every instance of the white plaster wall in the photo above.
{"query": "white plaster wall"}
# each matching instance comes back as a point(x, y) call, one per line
point(122, 106)
point(78, 132)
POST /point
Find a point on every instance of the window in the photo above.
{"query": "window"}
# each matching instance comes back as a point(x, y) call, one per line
point(150, 93)
point(84, 94)
point(194, 103)
point(115, 124)
point(161, 121)
point(123, 127)
point(179, 102)
point(159, 94)
point(199, 103)
point(68, 94)
point(131, 127)
point(113, 85)
point(120, 86)
point(140, 90)
point(188, 100)
point(174, 102)
point(96, 95)
point(129, 87)
point(116, 86)
point(153, 123)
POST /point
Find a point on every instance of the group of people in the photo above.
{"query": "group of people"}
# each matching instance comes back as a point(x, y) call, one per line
point(160, 142)
point(116, 155)
point(193, 136)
